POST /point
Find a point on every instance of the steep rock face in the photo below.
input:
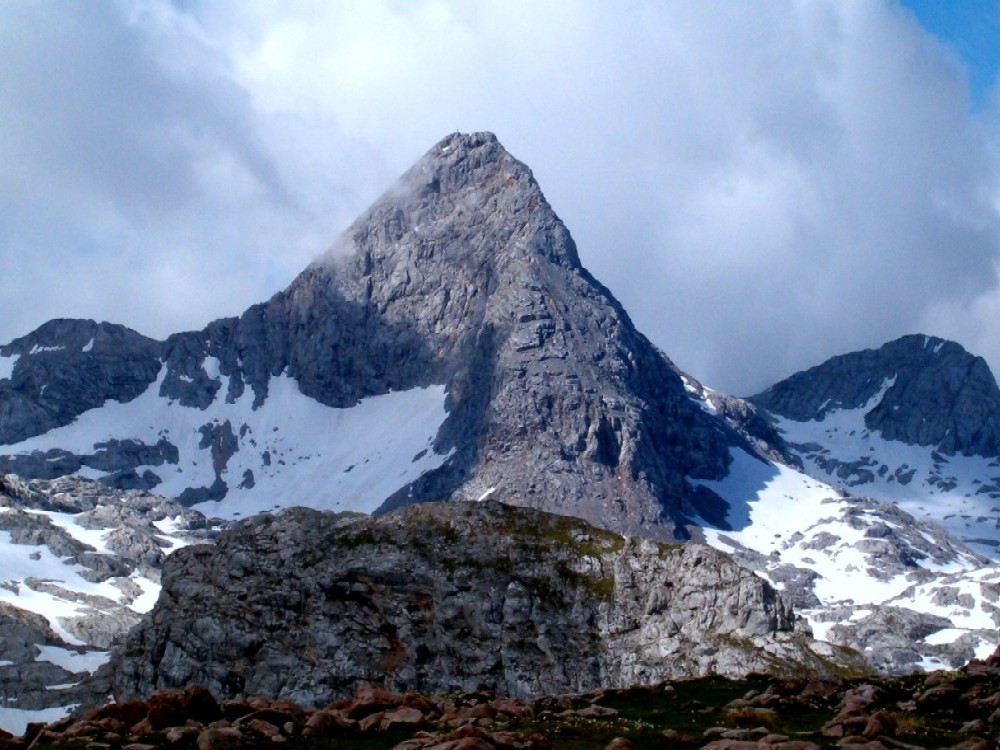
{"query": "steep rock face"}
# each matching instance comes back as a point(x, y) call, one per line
point(460, 276)
point(463, 275)
point(452, 597)
point(930, 392)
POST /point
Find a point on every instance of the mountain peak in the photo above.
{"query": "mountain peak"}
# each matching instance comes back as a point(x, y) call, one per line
point(917, 389)
point(466, 182)
point(461, 287)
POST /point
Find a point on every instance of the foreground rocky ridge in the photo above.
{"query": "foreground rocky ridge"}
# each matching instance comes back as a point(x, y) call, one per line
point(459, 596)
point(958, 710)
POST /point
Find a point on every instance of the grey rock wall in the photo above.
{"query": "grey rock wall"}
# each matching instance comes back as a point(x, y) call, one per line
point(453, 597)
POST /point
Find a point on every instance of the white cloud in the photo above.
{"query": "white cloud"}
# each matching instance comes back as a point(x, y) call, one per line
point(762, 185)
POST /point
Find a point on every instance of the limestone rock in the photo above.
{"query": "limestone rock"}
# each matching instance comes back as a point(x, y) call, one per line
point(451, 597)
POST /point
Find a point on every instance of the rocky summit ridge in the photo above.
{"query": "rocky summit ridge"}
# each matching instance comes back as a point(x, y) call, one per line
point(919, 390)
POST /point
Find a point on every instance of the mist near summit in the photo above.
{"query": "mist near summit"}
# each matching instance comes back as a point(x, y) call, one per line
point(762, 185)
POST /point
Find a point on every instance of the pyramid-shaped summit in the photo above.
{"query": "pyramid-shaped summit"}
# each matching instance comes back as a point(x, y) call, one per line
point(459, 284)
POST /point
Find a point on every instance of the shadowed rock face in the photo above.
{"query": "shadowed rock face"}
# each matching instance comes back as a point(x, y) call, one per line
point(451, 597)
point(940, 395)
point(66, 367)
point(460, 275)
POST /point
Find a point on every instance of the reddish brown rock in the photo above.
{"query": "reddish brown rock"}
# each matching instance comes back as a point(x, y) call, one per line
point(263, 728)
point(234, 709)
point(938, 698)
point(168, 708)
point(180, 734)
point(371, 721)
point(880, 723)
point(973, 743)
point(474, 738)
point(860, 697)
point(327, 722)
point(128, 712)
point(143, 726)
point(513, 707)
point(822, 688)
point(218, 739)
point(367, 694)
point(420, 702)
point(596, 712)
point(403, 716)
point(201, 705)
point(270, 715)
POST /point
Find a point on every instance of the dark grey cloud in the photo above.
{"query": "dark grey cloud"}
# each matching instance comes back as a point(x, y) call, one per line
point(763, 185)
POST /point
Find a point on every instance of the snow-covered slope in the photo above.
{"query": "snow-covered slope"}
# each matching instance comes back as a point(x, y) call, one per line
point(959, 492)
point(232, 459)
point(79, 565)
point(862, 572)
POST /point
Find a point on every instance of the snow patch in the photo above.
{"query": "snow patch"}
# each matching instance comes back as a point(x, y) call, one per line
point(212, 367)
point(68, 523)
point(7, 366)
point(73, 661)
point(957, 492)
point(797, 522)
point(16, 720)
point(290, 451)
point(344, 459)
point(945, 636)
point(89, 346)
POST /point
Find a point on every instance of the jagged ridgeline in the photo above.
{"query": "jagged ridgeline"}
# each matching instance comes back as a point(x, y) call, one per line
point(453, 319)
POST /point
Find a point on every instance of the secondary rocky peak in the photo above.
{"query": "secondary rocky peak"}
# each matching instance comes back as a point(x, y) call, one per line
point(67, 366)
point(918, 389)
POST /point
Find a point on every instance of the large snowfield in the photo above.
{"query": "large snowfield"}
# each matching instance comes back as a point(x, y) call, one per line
point(292, 450)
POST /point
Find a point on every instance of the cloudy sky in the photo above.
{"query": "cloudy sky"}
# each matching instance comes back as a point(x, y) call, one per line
point(762, 184)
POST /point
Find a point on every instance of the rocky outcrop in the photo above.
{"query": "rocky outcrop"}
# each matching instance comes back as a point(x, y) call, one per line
point(933, 393)
point(30, 683)
point(450, 597)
